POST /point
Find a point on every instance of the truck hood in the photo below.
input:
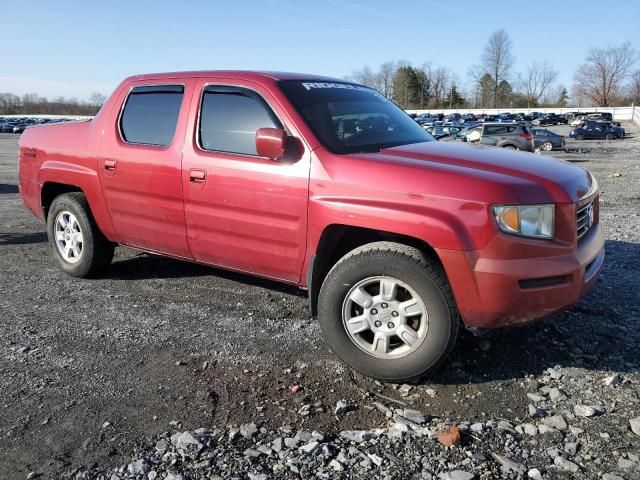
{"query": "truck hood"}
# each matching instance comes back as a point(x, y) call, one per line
point(564, 181)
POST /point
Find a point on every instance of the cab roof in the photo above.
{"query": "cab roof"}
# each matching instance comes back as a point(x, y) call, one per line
point(239, 74)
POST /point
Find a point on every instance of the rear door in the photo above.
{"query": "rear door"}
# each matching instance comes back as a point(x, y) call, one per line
point(139, 165)
point(492, 134)
point(243, 212)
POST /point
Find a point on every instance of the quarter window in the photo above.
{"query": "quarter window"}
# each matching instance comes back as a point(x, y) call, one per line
point(150, 114)
point(230, 117)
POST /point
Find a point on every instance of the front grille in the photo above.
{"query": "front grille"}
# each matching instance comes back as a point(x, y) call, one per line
point(584, 219)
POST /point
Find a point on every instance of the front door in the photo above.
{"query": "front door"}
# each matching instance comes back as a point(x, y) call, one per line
point(243, 212)
point(139, 164)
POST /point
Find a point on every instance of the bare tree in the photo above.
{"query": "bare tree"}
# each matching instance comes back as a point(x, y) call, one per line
point(600, 77)
point(32, 103)
point(497, 59)
point(536, 81)
point(634, 88)
point(97, 99)
point(9, 103)
point(386, 73)
point(364, 76)
point(440, 83)
point(579, 95)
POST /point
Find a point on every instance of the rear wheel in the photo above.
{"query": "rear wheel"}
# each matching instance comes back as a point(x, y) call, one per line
point(74, 238)
point(512, 147)
point(546, 146)
point(388, 311)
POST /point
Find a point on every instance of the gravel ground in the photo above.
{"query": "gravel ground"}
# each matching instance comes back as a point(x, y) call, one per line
point(164, 369)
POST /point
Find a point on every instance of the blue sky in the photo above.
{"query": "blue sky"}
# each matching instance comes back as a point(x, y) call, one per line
point(74, 48)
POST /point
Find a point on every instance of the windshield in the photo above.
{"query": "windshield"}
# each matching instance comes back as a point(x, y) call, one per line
point(349, 118)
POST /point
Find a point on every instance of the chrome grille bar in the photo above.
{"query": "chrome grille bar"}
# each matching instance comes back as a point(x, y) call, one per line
point(584, 216)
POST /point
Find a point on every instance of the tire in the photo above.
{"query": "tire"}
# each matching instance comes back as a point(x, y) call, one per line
point(512, 147)
point(89, 252)
point(609, 136)
point(416, 276)
point(546, 146)
point(579, 137)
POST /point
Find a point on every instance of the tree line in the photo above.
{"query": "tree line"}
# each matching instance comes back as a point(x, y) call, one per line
point(33, 104)
point(606, 78)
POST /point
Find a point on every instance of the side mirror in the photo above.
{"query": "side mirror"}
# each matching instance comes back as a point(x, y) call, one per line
point(271, 142)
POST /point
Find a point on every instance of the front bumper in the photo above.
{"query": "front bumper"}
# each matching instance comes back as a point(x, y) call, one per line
point(498, 287)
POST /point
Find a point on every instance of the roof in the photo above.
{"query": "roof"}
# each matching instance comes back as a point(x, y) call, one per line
point(240, 74)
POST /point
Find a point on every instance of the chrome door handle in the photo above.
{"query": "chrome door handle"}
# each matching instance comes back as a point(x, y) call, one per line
point(110, 165)
point(197, 176)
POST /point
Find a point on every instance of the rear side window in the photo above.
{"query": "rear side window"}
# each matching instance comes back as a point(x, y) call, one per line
point(150, 114)
point(230, 117)
point(494, 130)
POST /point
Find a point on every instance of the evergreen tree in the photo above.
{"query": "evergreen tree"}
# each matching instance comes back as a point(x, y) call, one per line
point(563, 99)
point(454, 98)
point(504, 93)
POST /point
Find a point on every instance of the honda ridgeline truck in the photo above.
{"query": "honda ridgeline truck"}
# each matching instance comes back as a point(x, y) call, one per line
point(399, 239)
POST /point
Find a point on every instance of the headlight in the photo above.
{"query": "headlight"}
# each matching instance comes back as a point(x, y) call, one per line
point(536, 221)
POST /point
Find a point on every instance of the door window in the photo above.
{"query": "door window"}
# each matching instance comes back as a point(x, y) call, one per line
point(150, 114)
point(230, 117)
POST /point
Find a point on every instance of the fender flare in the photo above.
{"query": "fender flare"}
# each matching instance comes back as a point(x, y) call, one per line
point(86, 180)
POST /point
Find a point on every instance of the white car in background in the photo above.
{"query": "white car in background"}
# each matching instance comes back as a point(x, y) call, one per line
point(576, 122)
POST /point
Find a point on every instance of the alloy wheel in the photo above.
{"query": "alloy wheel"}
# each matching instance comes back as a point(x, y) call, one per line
point(385, 317)
point(68, 237)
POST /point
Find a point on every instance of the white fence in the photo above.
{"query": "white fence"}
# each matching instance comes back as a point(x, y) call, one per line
point(619, 113)
point(635, 115)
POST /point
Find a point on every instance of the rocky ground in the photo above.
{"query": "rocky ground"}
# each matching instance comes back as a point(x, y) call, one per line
point(163, 369)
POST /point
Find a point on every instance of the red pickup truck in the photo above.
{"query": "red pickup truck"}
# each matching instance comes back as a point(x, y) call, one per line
point(328, 185)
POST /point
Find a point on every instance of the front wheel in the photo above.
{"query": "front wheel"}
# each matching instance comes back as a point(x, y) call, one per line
point(579, 137)
point(609, 136)
point(74, 238)
point(388, 311)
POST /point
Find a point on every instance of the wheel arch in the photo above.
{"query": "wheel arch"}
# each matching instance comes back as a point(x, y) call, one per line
point(57, 178)
point(51, 190)
point(337, 240)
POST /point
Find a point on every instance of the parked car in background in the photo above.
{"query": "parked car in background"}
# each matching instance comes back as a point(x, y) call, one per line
point(550, 119)
point(597, 131)
point(521, 117)
point(617, 128)
point(578, 120)
point(18, 124)
point(425, 118)
point(505, 135)
point(546, 140)
point(440, 131)
point(606, 116)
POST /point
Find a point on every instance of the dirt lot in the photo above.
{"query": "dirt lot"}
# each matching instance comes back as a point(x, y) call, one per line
point(90, 369)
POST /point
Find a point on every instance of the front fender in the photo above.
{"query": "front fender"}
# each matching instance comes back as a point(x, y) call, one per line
point(451, 224)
